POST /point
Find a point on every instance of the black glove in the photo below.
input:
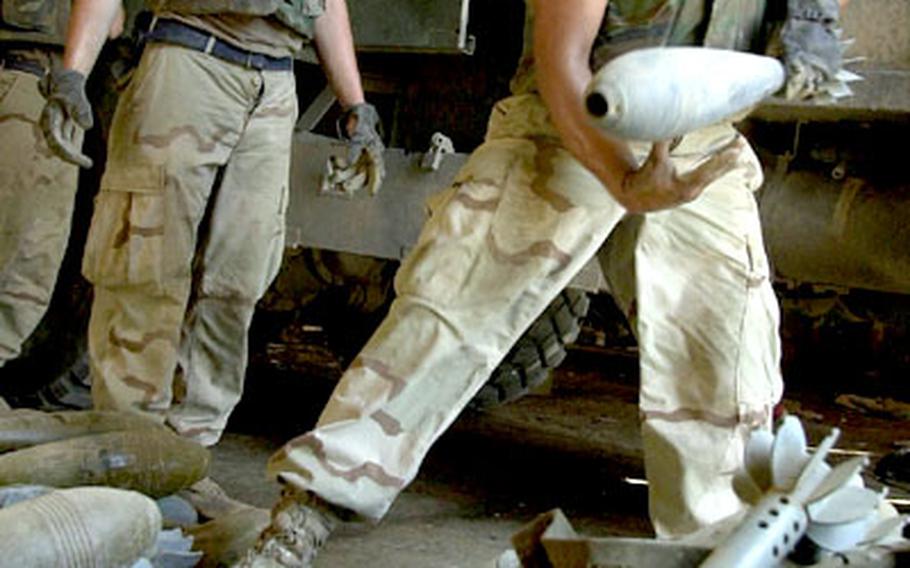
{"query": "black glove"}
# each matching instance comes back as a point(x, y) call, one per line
point(812, 49)
point(360, 125)
point(66, 114)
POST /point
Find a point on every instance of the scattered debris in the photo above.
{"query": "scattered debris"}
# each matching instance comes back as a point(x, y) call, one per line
point(894, 469)
point(797, 409)
point(800, 506)
point(886, 407)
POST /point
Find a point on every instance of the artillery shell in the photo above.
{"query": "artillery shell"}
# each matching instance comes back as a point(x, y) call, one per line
point(152, 461)
point(25, 427)
point(661, 93)
point(86, 527)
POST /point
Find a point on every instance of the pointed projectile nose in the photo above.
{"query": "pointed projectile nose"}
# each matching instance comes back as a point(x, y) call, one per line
point(597, 105)
point(661, 93)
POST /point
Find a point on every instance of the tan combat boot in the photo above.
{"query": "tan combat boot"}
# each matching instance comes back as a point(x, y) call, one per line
point(301, 523)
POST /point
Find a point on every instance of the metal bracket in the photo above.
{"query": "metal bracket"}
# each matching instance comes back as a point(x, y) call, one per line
point(440, 145)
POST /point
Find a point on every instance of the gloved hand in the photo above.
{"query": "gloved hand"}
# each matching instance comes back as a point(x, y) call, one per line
point(361, 127)
point(66, 114)
point(812, 49)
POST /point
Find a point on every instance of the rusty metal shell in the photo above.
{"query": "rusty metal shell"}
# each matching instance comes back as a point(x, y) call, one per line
point(87, 527)
point(152, 461)
point(25, 427)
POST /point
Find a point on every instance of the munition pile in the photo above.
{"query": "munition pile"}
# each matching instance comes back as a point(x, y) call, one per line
point(96, 473)
point(74, 449)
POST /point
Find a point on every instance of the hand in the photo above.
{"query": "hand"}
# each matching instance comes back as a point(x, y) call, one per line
point(657, 185)
point(812, 49)
point(66, 114)
point(365, 151)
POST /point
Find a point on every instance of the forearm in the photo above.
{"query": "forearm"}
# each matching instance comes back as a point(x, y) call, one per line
point(89, 25)
point(335, 45)
point(563, 37)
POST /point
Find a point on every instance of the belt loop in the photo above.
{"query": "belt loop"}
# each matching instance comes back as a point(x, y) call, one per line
point(249, 60)
point(210, 45)
point(153, 24)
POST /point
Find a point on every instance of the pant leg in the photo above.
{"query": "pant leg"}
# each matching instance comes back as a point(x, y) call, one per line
point(176, 124)
point(695, 282)
point(521, 219)
point(37, 193)
point(240, 255)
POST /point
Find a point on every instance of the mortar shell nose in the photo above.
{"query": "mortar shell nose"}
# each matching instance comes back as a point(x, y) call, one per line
point(597, 104)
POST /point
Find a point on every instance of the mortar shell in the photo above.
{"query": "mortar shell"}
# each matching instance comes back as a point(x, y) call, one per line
point(87, 527)
point(24, 427)
point(152, 461)
point(661, 93)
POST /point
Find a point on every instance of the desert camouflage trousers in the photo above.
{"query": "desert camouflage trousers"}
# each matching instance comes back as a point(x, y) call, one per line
point(187, 234)
point(37, 193)
point(520, 220)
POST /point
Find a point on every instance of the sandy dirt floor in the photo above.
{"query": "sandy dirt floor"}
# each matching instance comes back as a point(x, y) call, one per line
point(576, 448)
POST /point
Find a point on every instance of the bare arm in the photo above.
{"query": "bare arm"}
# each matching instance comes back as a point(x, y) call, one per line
point(67, 112)
point(90, 23)
point(564, 33)
point(335, 45)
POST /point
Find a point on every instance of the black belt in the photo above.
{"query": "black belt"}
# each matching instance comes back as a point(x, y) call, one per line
point(178, 33)
point(20, 63)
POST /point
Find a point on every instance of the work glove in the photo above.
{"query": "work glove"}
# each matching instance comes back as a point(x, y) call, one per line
point(66, 114)
point(361, 127)
point(813, 51)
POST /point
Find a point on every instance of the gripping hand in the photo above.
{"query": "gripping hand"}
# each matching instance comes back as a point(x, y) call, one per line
point(66, 115)
point(360, 125)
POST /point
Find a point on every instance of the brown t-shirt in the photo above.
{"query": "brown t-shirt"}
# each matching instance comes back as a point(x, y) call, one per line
point(253, 33)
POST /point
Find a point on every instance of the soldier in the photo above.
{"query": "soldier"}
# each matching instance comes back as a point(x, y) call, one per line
point(37, 189)
point(535, 201)
point(188, 229)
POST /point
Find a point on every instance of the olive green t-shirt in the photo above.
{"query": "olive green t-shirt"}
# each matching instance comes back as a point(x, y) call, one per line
point(253, 33)
point(626, 25)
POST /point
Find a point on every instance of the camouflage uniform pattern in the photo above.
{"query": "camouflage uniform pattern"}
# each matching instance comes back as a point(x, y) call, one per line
point(521, 219)
point(187, 234)
point(37, 195)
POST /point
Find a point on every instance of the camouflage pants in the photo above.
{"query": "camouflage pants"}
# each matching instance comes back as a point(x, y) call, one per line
point(521, 219)
point(187, 234)
point(37, 193)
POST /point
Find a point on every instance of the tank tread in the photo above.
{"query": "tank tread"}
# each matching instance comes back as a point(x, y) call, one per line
point(541, 349)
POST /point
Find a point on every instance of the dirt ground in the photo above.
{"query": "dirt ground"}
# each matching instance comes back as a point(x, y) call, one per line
point(576, 448)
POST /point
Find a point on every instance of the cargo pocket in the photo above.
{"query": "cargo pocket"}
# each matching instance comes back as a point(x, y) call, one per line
point(759, 382)
point(126, 241)
point(276, 250)
point(37, 16)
